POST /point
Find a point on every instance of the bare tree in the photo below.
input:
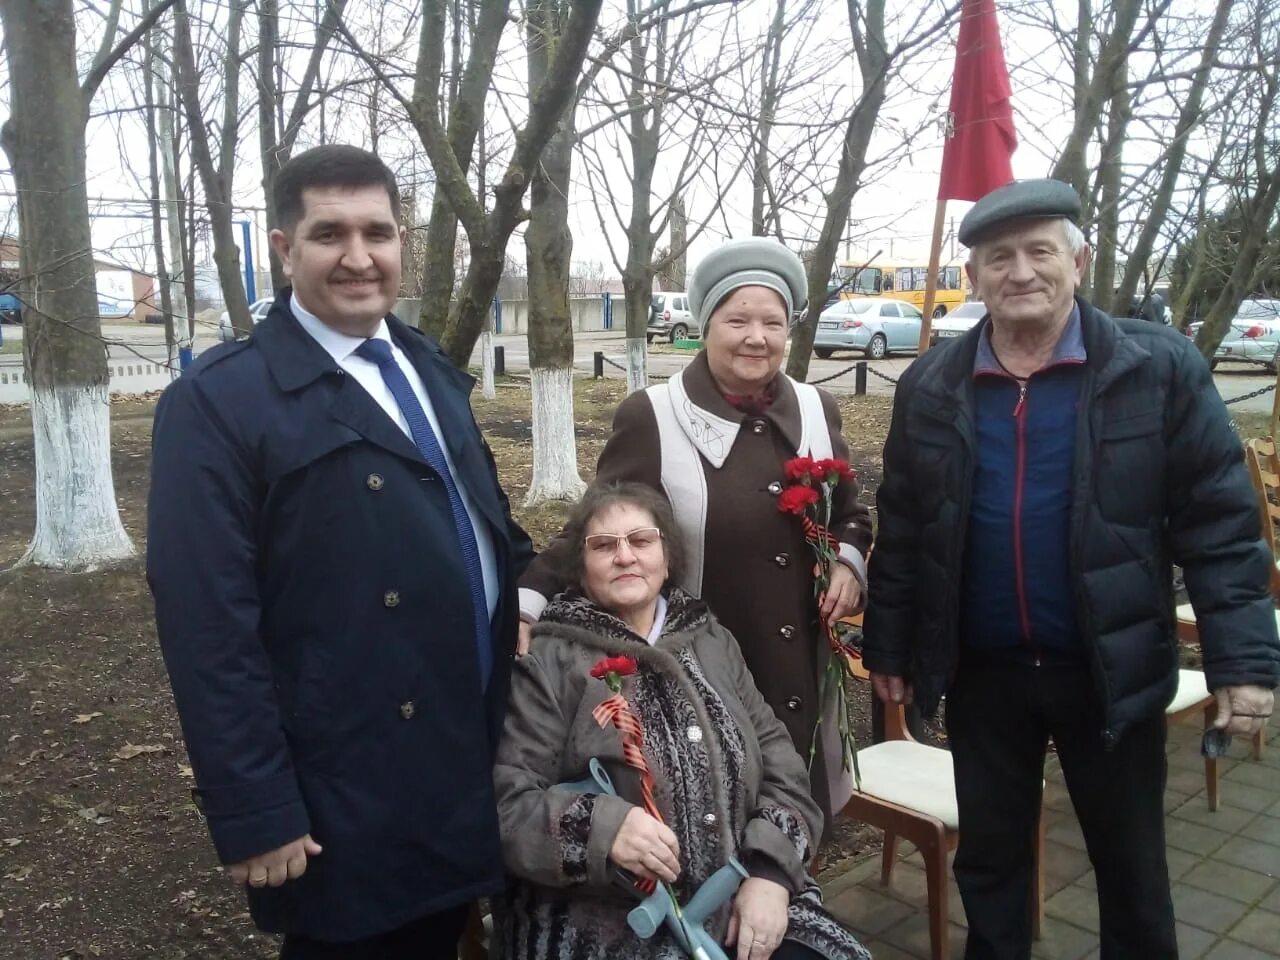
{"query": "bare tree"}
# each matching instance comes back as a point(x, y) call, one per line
point(1257, 181)
point(875, 60)
point(77, 521)
point(1190, 117)
point(549, 248)
point(1094, 87)
point(449, 148)
point(664, 113)
point(216, 176)
point(276, 141)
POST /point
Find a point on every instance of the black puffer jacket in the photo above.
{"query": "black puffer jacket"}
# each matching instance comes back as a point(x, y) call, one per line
point(1159, 479)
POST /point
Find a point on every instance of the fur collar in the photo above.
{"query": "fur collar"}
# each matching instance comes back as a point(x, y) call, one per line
point(573, 609)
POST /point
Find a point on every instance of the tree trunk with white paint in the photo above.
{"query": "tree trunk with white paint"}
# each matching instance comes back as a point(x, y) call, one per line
point(555, 450)
point(637, 294)
point(77, 521)
point(637, 364)
point(487, 386)
point(549, 249)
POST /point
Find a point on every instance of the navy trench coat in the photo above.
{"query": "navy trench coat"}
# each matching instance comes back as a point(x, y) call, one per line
point(312, 607)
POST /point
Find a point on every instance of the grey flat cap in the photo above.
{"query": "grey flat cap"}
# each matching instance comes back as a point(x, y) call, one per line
point(1019, 200)
point(751, 261)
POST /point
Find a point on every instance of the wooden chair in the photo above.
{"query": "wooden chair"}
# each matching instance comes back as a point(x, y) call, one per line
point(909, 790)
point(1194, 682)
point(1193, 697)
point(1264, 470)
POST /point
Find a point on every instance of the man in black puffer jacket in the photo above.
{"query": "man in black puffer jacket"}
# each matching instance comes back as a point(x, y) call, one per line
point(1041, 476)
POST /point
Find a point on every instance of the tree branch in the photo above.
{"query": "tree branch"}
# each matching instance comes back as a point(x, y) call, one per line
point(106, 59)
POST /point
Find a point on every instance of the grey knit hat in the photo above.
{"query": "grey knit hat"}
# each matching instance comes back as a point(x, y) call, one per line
point(751, 261)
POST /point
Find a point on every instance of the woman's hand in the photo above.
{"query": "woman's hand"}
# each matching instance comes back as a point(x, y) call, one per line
point(843, 594)
point(646, 847)
point(759, 919)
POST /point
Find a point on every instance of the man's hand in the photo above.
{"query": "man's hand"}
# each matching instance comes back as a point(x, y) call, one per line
point(646, 847)
point(759, 919)
point(842, 596)
point(524, 634)
point(273, 868)
point(891, 689)
point(1244, 710)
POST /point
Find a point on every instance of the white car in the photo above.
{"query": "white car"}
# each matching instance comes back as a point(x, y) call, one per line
point(1254, 334)
point(257, 310)
point(958, 322)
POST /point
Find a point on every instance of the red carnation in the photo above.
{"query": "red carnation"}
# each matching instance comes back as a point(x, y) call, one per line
point(800, 468)
point(835, 470)
point(797, 499)
point(621, 666)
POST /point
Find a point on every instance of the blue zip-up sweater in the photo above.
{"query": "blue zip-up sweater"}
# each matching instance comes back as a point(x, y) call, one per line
point(1017, 597)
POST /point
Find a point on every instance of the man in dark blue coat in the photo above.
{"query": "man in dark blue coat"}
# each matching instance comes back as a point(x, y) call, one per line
point(333, 563)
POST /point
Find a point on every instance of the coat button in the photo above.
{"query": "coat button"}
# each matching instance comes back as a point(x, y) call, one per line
point(786, 631)
point(775, 488)
point(709, 819)
point(391, 598)
point(374, 481)
point(794, 703)
point(757, 426)
point(407, 710)
point(782, 560)
point(694, 734)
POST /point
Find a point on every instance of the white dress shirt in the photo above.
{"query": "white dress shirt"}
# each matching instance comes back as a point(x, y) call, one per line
point(342, 348)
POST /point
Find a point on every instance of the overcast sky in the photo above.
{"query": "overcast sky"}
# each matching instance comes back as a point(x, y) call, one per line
point(894, 212)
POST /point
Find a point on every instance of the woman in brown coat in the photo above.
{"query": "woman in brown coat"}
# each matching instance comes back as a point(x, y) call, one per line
point(714, 439)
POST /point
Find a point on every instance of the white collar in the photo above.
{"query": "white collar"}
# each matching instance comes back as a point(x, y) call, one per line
point(337, 344)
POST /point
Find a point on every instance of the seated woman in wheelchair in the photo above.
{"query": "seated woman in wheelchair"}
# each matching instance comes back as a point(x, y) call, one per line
point(695, 772)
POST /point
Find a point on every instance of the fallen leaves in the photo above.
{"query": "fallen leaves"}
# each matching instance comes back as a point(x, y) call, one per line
point(86, 717)
point(98, 814)
point(131, 750)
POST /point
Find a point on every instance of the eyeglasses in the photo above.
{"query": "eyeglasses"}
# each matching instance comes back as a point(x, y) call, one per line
point(608, 544)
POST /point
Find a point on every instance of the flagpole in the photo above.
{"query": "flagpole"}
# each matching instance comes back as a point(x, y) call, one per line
point(931, 281)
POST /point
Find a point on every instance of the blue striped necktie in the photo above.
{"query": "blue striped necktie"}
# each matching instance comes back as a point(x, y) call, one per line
point(379, 352)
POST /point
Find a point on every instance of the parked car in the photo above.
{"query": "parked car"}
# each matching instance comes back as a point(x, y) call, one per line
point(958, 322)
point(874, 325)
point(1254, 334)
point(670, 317)
point(257, 310)
point(10, 308)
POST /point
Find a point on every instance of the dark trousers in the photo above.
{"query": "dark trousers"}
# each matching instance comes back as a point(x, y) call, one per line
point(1000, 716)
point(433, 937)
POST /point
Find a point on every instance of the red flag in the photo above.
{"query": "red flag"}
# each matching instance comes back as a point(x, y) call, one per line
point(980, 136)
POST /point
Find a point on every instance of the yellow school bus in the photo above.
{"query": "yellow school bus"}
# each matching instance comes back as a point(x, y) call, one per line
point(905, 280)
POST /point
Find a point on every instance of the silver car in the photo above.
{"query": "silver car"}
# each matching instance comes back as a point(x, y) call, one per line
point(1254, 334)
point(958, 322)
point(875, 325)
point(257, 311)
point(670, 317)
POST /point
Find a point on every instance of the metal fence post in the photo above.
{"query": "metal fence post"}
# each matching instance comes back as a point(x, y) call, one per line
point(597, 365)
point(499, 361)
point(860, 377)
